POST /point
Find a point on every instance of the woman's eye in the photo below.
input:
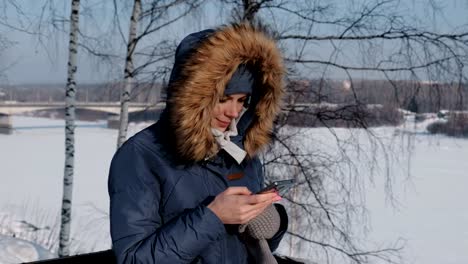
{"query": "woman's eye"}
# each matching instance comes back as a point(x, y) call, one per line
point(222, 100)
point(244, 100)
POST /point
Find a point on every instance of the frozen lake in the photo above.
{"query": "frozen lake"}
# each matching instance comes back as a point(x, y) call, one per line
point(432, 215)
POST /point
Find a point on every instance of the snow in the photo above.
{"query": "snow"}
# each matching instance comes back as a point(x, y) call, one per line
point(32, 160)
point(15, 250)
point(431, 212)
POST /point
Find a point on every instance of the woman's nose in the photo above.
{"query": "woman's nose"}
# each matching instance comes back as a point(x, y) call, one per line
point(232, 110)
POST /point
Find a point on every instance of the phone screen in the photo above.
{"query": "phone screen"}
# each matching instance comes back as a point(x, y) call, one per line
point(279, 186)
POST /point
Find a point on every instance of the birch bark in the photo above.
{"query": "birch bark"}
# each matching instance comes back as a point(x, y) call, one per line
point(64, 239)
point(128, 74)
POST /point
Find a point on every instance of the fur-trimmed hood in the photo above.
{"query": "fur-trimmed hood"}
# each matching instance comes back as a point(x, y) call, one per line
point(205, 62)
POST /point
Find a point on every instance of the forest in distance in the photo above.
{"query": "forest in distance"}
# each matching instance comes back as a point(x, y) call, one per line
point(415, 96)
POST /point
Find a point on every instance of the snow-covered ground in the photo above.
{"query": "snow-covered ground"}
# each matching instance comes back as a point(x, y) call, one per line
point(431, 216)
point(432, 213)
point(16, 250)
point(32, 160)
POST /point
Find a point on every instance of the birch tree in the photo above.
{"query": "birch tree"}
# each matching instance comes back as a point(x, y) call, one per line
point(64, 239)
point(128, 73)
point(152, 16)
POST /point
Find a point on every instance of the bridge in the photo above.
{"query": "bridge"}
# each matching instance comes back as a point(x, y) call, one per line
point(12, 107)
point(8, 108)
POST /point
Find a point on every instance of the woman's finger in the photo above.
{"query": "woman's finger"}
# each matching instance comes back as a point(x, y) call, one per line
point(247, 209)
point(254, 213)
point(260, 198)
point(237, 191)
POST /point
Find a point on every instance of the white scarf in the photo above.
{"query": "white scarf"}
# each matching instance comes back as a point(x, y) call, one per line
point(224, 140)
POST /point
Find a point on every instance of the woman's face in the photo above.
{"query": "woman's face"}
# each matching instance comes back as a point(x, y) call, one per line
point(227, 109)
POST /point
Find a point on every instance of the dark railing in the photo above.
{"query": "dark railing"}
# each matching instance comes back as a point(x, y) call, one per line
point(96, 257)
point(107, 256)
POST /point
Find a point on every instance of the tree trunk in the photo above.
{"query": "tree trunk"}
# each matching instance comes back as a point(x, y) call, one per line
point(64, 240)
point(128, 75)
point(249, 10)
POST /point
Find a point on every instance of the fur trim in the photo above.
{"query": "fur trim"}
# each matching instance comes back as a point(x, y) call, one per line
point(203, 79)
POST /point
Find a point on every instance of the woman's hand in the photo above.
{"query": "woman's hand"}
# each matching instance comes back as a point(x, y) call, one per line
point(237, 205)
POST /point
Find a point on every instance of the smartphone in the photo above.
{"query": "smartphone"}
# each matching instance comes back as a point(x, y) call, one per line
point(279, 186)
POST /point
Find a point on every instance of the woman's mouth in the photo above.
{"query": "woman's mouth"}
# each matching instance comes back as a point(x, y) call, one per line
point(224, 123)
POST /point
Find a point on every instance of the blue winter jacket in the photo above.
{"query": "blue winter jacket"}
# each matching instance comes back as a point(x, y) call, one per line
point(162, 179)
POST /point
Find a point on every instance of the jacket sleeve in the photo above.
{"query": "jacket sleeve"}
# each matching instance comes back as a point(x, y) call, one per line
point(276, 239)
point(137, 231)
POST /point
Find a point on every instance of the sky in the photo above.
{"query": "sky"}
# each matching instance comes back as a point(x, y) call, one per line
point(31, 59)
point(35, 59)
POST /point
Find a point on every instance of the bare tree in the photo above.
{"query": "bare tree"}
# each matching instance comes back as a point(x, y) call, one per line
point(64, 241)
point(152, 16)
point(246, 10)
point(328, 40)
point(5, 24)
point(128, 76)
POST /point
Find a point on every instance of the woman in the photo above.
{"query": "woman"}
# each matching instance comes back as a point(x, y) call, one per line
point(180, 188)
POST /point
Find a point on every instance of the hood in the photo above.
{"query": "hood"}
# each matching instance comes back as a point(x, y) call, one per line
point(204, 64)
